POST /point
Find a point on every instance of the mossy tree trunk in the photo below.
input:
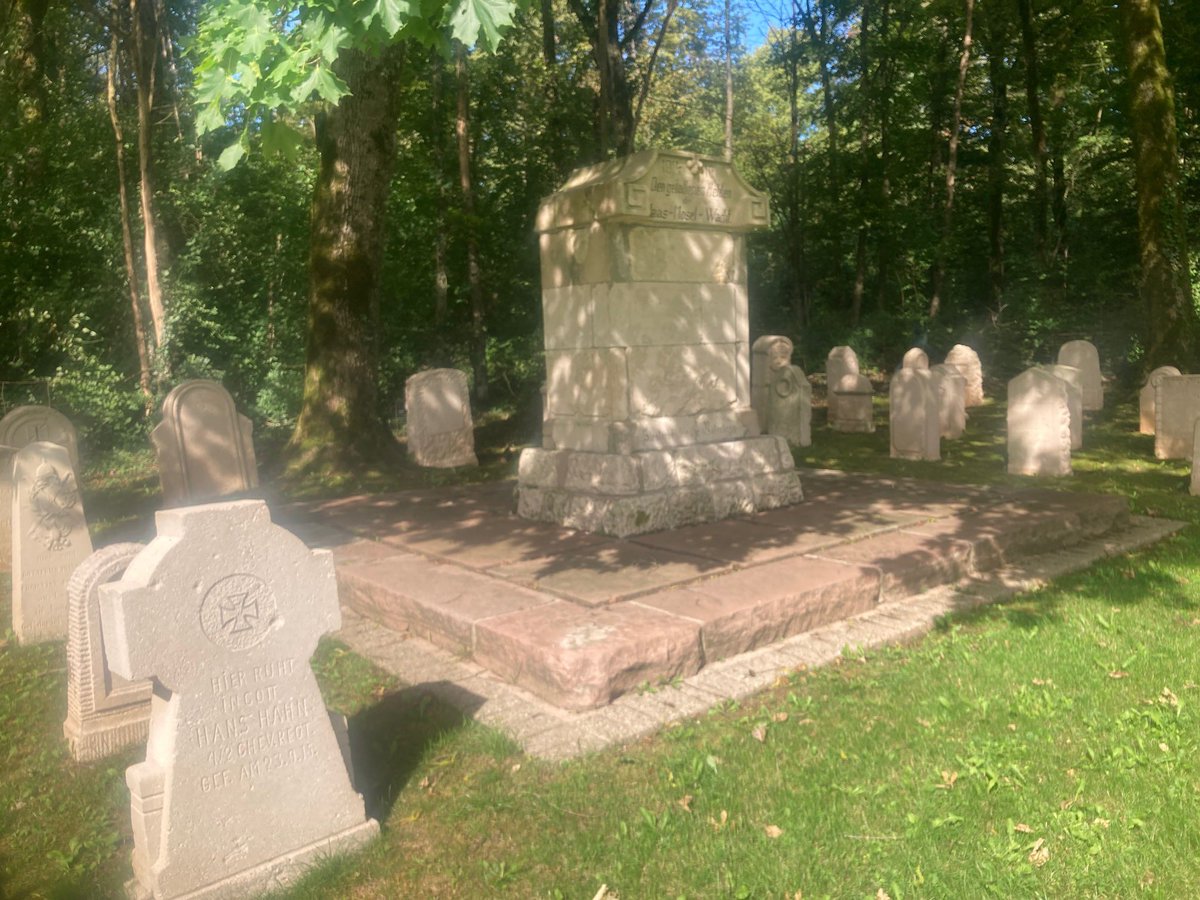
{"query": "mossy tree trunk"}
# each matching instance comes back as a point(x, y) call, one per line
point(340, 428)
point(1164, 286)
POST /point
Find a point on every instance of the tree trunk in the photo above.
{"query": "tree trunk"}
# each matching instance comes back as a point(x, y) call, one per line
point(1037, 127)
point(441, 280)
point(1164, 286)
point(463, 133)
point(145, 53)
point(131, 273)
point(864, 166)
point(728, 84)
point(939, 264)
point(998, 76)
point(339, 428)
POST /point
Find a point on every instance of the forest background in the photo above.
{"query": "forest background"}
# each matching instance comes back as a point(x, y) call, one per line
point(1006, 173)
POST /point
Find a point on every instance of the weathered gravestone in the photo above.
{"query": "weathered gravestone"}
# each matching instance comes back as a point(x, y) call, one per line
point(1194, 489)
point(245, 781)
point(204, 446)
point(951, 389)
point(439, 428)
point(1176, 408)
point(49, 540)
point(913, 414)
point(1084, 357)
point(779, 391)
point(1074, 381)
point(915, 358)
point(840, 361)
point(105, 713)
point(966, 360)
point(854, 410)
point(1146, 398)
point(24, 425)
point(1039, 425)
point(648, 351)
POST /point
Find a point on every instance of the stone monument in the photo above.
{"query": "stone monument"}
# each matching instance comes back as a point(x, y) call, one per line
point(6, 482)
point(966, 360)
point(779, 391)
point(246, 780)
point(439, 428)
point(648, 353)
point(1176, 408)
point(1146, 397)
point(915, 358)
point(105, 713)
point(1039, 425)
point(1074, 381)
point(204, 446)
point(854, 410)
point(1194, 488)
point(952, 400)
point(840, 361)
point(26, 424)
point(913, 415)
point(1083, 356)
point(49, 540)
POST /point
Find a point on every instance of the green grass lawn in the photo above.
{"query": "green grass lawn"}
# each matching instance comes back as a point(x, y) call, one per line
point(1048, 746)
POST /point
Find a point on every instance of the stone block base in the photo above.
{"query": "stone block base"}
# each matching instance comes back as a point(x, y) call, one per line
point(273, 874)
point(98, 737)
point(636, 493)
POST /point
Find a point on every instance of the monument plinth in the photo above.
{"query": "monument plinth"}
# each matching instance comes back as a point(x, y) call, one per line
point(648, 420)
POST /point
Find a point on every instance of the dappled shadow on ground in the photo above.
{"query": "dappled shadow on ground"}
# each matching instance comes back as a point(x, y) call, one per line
point(389, 740)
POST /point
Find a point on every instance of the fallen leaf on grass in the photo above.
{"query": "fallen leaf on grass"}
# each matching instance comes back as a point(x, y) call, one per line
point(1044, 682)
point(1167, 698)
point(516, 767)
point(1012, 726)
point(924, 723)
point(1164, 748)
point(1100, 823)
point(718, 825)
point(759, 733)
point(881, 894)
point(1023, 828)
point(1117, 673)
point(779, 717)
point(1040, 854)
point(685, 802)
point(773, 831)
point(948, 780)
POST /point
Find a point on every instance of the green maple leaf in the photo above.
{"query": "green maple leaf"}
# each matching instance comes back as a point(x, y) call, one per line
point(481, 20)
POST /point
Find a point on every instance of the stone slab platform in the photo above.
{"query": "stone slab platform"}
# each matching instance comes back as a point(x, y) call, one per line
point(581, 620)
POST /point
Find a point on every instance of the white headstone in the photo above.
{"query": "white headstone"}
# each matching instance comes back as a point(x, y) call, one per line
point(1039, 425)
point(952, 400)
point(779, 391)
point(245, 780)
point(49, 539)
point(6, 483)
point(1074, 380)
point(1083, 356)
point(913, 414)
point(1176, 408)
point(439, 428)
point(105, 713)
point(1146, 398)
point(840, 361)
point(26, 424)
point(854, 410)
point(204, 446)
point(915, 358)
point(966, 360)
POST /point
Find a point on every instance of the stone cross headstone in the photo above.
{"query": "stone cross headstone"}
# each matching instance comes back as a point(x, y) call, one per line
point(840, 361)
point(966, 360)
point(915, 358)
point(1039, 425)
point(1074, 380)
point(49, 540)
point(245, 780)
point(1146, 397)
point(24, 425)
point(952, 400)
point(913, 414)
point(439, 426)
point(780, 391)
point(1194, 488)
point(854, 410)
point(205, 447)
point(1176, 408)
point(1084, 357)
point(647, 338)
point(105, 713)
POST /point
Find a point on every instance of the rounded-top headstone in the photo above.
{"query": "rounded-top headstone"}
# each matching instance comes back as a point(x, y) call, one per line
point(1084, 357)
point(853, 383)
point(915, 358)
point(1146, 408)
point(27, 424)
point(966, 360)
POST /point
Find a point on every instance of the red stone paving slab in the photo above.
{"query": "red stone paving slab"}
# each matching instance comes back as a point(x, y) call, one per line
point(581, 657)
point(741, 541)
point(757, 606)
point(608, 572)
point(485, 543)
point(441, 603)
point(909, 562)
point(823, 522)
